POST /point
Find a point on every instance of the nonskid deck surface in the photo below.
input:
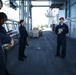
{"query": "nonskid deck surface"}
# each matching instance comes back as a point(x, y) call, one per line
point(40, 58)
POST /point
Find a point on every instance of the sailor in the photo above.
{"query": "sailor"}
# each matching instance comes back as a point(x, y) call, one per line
point(22, 40)
point(61, 31)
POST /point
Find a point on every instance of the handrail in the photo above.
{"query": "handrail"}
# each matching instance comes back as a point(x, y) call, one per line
point(11, 24)
point(71, 19)
point(12, 20)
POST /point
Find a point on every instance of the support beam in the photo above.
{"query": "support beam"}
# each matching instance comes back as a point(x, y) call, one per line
point(46, 5)
point(69, 9)
point(66, 10)
point(69, 15)
point(25, 12)
point(22, 9)
point(30, 18)
point(27, 20)
point(50, 0)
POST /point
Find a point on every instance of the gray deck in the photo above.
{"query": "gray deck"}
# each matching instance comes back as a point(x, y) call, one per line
point(42, 61)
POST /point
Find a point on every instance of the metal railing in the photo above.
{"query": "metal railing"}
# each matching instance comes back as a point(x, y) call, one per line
point(14, 26)
point(11, 25)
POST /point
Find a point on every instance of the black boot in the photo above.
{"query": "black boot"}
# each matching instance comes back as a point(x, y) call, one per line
point(57, 55)
point(21, 58)
point(24, 56)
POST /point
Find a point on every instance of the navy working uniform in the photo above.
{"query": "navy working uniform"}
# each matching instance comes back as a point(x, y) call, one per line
point(3, 40)
point(3, 31)
point(61, 39)
point(22, 40)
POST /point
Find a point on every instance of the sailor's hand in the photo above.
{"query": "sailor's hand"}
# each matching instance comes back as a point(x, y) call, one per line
point(61, 30)
point(59, 33)
point(12, 43)
point(27, 38)
point(7, 46)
